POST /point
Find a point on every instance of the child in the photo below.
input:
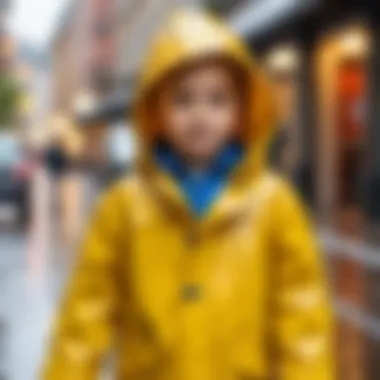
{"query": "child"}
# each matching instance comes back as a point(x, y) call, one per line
point(201, 265)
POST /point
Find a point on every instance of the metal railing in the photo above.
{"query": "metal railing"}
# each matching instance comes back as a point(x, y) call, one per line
point(369, 257)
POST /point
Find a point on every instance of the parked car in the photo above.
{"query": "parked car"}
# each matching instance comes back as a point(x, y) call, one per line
point(15, 175)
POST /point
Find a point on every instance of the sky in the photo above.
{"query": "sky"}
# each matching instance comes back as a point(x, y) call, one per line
point(35, 21)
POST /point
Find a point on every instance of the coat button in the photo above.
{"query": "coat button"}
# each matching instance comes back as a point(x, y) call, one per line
point(191, 292)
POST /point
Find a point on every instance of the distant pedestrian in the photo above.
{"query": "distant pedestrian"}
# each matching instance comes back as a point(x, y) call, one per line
point(62, 160)
point(56, 160)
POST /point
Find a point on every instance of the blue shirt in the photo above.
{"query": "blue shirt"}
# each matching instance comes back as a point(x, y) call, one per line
point(200, 189)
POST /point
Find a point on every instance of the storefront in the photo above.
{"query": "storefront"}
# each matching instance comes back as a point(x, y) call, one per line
point(320, 56)
point(324, 62)
point(341, 61)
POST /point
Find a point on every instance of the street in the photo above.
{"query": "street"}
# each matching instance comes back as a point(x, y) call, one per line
point(26, 309)
point(34, 261)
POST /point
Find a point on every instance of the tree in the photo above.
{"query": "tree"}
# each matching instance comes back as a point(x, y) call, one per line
point(9, 100)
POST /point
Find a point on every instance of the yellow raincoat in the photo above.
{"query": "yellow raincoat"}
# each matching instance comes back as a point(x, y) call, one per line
point(238, 295)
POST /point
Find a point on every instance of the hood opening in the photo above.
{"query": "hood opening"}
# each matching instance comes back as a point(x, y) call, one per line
point(239, 75)
point(188, 39)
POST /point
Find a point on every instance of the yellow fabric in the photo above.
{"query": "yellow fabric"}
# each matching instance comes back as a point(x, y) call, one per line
point(259, 310)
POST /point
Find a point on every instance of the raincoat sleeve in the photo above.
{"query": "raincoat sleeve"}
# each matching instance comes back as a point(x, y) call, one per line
point(302, 312)
point(85, 323)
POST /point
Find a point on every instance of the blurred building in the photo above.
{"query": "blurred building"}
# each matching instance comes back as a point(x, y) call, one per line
point(6, 42)
point(83, 58)
point(82, 53)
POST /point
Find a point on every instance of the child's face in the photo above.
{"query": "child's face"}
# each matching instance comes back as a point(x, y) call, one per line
point(199, 111)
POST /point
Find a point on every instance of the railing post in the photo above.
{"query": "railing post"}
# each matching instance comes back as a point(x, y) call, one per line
point(306, 173)
point(371, 193)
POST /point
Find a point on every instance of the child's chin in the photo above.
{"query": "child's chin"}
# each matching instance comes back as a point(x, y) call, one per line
point(203, 153)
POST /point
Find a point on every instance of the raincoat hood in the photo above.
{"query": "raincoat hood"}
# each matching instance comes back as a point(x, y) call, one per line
point(189, 37)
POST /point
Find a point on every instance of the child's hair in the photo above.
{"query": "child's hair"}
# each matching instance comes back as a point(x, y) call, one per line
point(240, 77)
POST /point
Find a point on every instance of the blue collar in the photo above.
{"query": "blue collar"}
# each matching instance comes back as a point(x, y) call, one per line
point(202, 190)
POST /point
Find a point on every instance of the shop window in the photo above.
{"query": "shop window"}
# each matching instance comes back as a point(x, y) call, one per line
point(350, 129)
point(282, 64)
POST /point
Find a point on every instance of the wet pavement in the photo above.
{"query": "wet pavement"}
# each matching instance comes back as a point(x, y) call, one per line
point(34, 262)
point(26, 305)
